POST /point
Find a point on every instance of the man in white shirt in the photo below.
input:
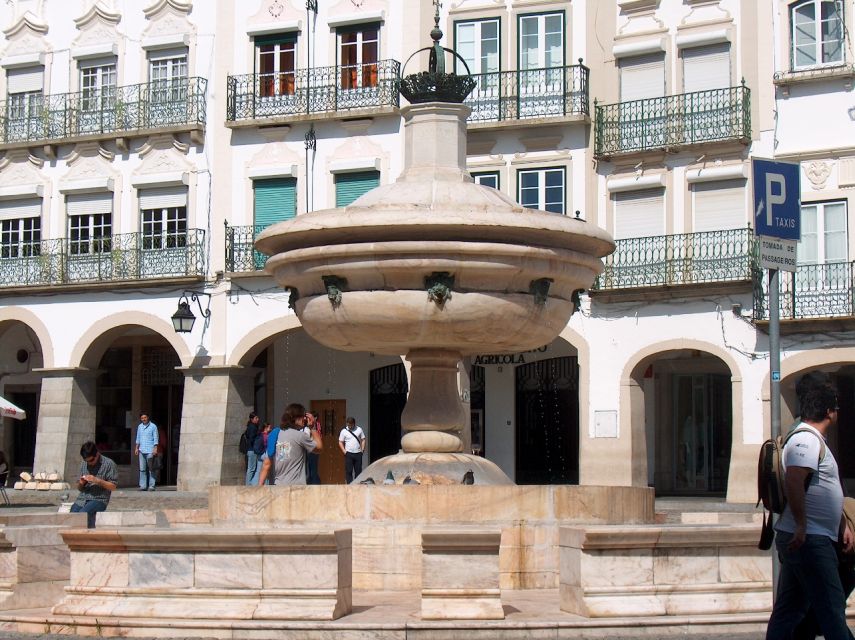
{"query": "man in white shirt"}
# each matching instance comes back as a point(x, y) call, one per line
point(811, 524)
point(351, 441)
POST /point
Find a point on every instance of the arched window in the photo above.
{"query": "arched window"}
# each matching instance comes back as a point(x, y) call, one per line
point(817, 33)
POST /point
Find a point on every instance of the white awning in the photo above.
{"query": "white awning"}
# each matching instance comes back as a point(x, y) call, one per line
point(9, 410)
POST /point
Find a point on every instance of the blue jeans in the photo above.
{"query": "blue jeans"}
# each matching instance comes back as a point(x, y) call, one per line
point(252, 468)
point(809, 579)
point(90, 508)
point(146, 475)
point(312, 476)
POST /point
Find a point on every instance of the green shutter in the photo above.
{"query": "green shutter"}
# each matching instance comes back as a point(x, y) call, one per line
point(275, 200)
point(349, 186)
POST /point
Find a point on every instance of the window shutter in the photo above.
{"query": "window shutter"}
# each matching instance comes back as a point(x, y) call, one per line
point(349, 186)
point(720, 205)
point(163, 198)
point(642, 77)
point(24, 80)
point(167, 54)
point(639, 214)
point(24, 208)
point(706, 68)
point(275, 200)
point(89, 203)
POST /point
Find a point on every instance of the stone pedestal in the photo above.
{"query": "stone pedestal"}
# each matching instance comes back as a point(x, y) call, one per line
point(209, 574)
point(460, 575)
point(217, 402)
point(34, 563)
point(616, 571)
point(66, 420)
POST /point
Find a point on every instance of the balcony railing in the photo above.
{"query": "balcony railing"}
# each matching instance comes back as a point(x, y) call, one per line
point(533, 93)
point(241, 255)
point(151, 105)
point(661, 123)
point(128, 256)
point(318, 90)
point(813, 291)
point(682, 259)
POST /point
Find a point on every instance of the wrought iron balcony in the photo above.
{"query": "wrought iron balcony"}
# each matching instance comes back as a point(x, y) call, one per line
point(533, 93)
point(128, 256)
point(716, 115)
point(241, 255)
point(813, 291)
point(152, 105)
point(310, 91)
point(681, 259)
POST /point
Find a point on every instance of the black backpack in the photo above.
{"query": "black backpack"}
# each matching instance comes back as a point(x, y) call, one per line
point(244, 444)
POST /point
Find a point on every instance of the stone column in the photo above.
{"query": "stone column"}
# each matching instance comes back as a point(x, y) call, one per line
point(217, 402)
point(66, 420)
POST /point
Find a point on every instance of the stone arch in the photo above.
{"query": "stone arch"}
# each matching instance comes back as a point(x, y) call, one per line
point(804, 361)
point(27, 317)
point(583, 352)
point(632, 413)
point(259, 338)
point(91, 346)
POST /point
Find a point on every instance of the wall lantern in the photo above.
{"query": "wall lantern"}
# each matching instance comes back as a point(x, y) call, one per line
point(183, 318)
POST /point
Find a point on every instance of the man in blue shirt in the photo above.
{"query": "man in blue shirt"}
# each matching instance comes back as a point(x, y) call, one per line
point(146, 451)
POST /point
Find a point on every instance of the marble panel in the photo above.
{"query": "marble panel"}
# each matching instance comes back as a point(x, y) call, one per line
point(34, 595)
point(742, 564)
point(228, 570)
point(395, 503)
point(126, 519)
point(8, 565)
point(718, 600)
point(460, 571)
point(44, 563)
point(685, 566)
point(160, 570)
point(99, 569)
point(617, 567)
point(474, 607)
point(34, 536)
point(300, 571)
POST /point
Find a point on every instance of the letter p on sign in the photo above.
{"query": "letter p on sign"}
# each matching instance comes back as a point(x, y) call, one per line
point(771, 198)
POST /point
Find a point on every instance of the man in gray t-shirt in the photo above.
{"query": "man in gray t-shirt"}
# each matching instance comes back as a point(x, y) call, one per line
point(287, 447)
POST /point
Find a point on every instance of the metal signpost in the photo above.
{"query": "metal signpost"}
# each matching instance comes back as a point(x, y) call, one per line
point(777, 221)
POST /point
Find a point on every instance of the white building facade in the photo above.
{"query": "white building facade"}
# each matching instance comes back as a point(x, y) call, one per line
point(146, 144)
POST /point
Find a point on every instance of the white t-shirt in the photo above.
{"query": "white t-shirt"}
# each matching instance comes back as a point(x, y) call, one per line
point(824, 495)
point(352, 441)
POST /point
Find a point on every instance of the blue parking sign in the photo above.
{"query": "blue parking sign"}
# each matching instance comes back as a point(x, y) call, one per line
point(777, 199)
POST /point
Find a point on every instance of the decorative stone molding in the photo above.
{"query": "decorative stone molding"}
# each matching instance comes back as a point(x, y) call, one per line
point(168, 18)
point(274, 16)
point(89, 166)
point(817, 173)
point(634, 6)
point(165, 179)
point(164, 141)
point(97, 13)
point(461, 4)
point(26, 38)
point(639, 48)
point(705, 12)
point(354, 165)
point(273, 156)
point(356, 18)
point(702, 38)
point(163, 157)
point(633, 183)
point(273, 171)
point(20, 176)
point(846, 173)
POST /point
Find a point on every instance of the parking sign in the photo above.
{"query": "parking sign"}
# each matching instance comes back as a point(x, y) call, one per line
point(777, 199)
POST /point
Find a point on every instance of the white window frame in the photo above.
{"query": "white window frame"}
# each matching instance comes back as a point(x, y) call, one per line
point(479, 61)
point(164, 227)
point(287, 44)
point(541, 187)
point(816, 25)
point(360, 30)
point(20, 237)
point(97, 86)
point(485, 177)
point(543, 60)
point(820, 236)
point(97, 229)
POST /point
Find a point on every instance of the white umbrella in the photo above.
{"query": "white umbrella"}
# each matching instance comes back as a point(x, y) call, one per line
point(9, 410)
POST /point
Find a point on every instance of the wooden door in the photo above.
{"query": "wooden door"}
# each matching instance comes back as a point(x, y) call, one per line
point(332, 414)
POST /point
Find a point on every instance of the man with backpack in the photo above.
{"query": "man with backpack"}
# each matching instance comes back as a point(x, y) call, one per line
point(811, 523)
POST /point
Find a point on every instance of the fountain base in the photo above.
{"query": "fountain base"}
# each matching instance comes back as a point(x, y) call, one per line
point(435, 469)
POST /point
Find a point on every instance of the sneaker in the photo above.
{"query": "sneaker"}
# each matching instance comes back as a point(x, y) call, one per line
point(143, 489)
point(151, 488)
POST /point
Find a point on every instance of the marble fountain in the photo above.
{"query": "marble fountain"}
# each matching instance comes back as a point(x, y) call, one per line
point(432, 267)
